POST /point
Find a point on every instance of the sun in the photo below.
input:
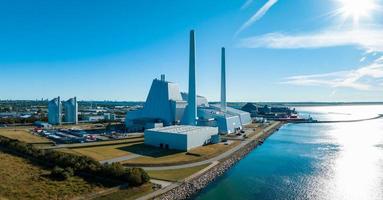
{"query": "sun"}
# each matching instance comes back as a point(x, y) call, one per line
point(357, 9)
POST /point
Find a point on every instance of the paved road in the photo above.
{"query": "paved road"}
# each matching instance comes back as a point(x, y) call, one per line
point(161, 182)
point(120, 159)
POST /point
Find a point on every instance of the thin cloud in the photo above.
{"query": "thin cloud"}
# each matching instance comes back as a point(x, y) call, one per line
point(365, 78)
point(368, 39)
point(258, 15)
point(246, 4)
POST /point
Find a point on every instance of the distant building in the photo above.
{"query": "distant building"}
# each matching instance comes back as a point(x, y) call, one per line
point(270, 112)
point(71, 111)
point(94, 118)
point(54, 111)
point(41, 124)
point(182, 137)
point(250, 108)
point(109, 116)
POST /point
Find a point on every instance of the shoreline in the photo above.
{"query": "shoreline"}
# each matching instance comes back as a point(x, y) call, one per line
point(190, 187)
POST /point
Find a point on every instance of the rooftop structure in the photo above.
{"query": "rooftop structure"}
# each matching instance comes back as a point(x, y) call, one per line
point(183, 129)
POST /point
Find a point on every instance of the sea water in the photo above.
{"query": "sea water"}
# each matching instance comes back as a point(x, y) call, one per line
point(312, 161)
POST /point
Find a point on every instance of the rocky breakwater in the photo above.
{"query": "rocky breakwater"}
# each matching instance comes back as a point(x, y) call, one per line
point(190, 187)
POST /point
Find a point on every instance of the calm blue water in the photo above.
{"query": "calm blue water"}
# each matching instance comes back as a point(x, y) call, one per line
point(312, 161)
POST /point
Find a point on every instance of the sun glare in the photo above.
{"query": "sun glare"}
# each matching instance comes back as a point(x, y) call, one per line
point(357, 9)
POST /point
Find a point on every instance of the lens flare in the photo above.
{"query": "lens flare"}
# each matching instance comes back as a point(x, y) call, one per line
point(357, 9)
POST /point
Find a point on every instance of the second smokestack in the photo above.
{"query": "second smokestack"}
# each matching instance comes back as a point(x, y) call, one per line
point(223, 80)
point(192, 96)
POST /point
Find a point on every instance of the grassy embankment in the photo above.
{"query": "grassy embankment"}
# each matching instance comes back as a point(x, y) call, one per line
point(257, 130)
point(22, 180)
point(175, 174)
point(128, 194)
point(33, 181)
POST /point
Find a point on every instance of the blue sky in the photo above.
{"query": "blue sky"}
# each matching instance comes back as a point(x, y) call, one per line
point(277, 50)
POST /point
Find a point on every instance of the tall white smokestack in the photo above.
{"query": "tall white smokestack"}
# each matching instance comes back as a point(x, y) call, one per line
point(192, 95)
point(223, 80)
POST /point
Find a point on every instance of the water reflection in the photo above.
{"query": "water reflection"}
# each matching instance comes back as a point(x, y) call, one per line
point(358, 169)
point(312, 161)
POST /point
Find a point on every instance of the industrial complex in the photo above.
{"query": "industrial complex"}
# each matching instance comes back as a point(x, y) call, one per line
point(176, 136)
point(189, 120)
point(170, 119)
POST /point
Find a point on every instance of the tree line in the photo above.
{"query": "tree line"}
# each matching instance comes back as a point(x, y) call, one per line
point(19, 120)
point(68, 164)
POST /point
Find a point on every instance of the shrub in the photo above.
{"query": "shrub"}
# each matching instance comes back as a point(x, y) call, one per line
point(137, 176)
point(61, 174)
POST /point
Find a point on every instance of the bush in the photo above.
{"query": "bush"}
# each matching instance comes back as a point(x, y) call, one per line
point(62, 174)
point(137, 176)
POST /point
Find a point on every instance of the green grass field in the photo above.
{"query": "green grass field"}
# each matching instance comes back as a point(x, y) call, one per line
point(128, 194)
point(22, 134)
point(157, 156)
point(105, 150)
point(20, 179)
point(175, 174)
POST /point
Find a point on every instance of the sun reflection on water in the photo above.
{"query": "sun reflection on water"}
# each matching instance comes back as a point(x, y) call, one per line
point(356, 171)
point(357, 167)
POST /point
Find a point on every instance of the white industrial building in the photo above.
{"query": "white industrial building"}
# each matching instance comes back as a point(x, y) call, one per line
point(182, 138)
point(54, 111)
point(71, 111)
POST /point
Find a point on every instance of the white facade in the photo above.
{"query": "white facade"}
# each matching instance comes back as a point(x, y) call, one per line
point(94, 118)
point(181, 138)
point(54, 111)
point(71, 111)
point(226, 123)
point(164, 103)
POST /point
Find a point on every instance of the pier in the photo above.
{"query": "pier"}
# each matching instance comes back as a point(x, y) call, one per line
point(335, 121)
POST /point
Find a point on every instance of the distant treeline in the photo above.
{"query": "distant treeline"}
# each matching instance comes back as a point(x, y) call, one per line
point(18, 120)
point(79, 164)
point(44, 103)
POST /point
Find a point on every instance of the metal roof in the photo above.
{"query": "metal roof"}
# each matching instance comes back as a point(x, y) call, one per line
point(181, 129)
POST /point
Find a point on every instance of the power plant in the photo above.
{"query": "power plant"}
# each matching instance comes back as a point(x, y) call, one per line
point(185, 113)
